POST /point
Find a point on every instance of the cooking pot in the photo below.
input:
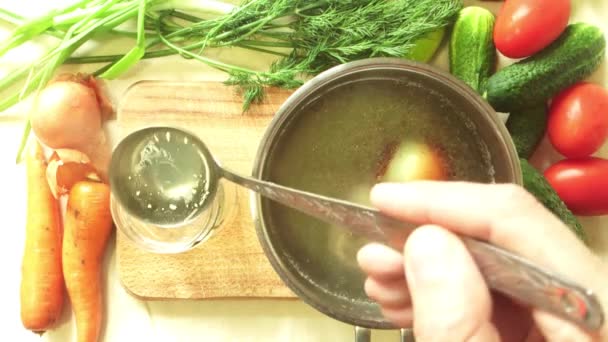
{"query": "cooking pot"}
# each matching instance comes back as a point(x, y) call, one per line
point(319, 268)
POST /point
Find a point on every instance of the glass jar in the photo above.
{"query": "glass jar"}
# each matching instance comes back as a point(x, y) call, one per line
point(163, 196)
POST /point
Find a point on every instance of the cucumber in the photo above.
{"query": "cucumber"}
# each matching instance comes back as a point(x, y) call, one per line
point(472, 51)
point(425, 48)
point(527, 129)
point(537, 185)
point(574, 56)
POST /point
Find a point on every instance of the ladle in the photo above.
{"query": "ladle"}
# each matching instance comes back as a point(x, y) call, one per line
point(503, 271)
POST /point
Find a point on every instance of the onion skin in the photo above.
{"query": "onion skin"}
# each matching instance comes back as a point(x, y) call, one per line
point(66, 168)
point(66, 115)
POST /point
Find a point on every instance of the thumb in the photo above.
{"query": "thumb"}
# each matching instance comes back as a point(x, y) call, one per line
point(450, 299)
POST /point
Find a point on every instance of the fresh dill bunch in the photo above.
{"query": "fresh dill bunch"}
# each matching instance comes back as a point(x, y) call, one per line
point(349, 30)
point(331, 32)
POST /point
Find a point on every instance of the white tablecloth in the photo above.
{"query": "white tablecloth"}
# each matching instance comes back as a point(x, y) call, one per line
point(129, 319)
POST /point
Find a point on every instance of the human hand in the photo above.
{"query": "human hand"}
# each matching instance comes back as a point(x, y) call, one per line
point(435, 284)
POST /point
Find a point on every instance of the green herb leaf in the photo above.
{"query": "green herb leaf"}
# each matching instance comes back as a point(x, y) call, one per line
point(133, 56)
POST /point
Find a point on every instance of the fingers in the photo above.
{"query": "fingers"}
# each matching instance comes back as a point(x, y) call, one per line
point(381, 262)
point(555, 329)
point(535, 336)
point(389, 294)
point(512, 320)
point(450, 299)
point(399, 317)
point(506, 215)
point(386, 283)
point(468, 208)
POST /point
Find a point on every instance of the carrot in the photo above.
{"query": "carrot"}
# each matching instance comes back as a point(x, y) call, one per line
point(87, 227)
point(42, 288)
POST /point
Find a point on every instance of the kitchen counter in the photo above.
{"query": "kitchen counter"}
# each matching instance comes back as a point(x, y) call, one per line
point(130, 319)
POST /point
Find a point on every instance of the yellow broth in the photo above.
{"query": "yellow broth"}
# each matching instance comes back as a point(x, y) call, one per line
point(336, 146)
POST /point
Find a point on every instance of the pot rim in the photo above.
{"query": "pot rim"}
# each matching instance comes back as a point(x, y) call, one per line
point(304, 94)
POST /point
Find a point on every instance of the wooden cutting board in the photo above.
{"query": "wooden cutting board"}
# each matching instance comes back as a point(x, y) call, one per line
point(231, 264)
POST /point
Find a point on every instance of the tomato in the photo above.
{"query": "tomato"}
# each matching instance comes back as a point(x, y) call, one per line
point(578, 120)
point(582, 184)
point(525, 27)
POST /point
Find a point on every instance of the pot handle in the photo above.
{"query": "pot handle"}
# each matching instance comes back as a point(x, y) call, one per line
point(365, 335)
point(362, 334)
point(407, 335)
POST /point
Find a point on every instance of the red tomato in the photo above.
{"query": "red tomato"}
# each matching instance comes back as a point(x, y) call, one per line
point(582, 184)
point(524, 27)
point(578, 120)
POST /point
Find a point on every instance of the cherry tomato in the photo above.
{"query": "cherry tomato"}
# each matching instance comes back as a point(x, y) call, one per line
point(578, 120)
point(582, 184)
point(525, 27)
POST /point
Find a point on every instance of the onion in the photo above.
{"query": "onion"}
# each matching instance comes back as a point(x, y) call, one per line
point(66, 114)
point(69, 114)
point(105, 105)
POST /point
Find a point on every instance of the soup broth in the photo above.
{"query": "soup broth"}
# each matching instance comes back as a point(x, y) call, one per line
point(335, 148)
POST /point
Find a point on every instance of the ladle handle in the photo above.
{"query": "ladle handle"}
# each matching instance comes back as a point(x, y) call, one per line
point(503, 271)
point(516, 277)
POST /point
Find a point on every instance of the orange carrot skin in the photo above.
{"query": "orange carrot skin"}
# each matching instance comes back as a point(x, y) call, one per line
point(42, 287)
point(87, 227)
